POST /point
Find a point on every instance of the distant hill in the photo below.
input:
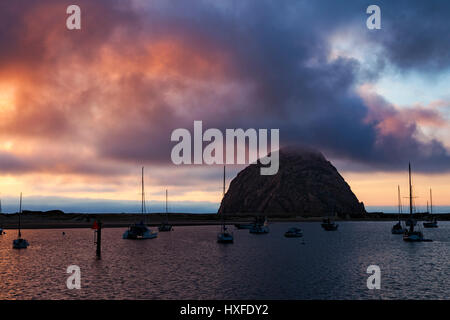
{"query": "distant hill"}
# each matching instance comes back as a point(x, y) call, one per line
point(306, 185)
point(50, 212)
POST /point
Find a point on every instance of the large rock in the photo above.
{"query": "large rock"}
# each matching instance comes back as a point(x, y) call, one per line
point(305, 185)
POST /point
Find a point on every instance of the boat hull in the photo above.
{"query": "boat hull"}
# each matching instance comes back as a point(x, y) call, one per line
point(225, 238)
point(243, 226)
point(165, 228)
point(330, 227)
point(430, 225)
point(398, 231)
point(259, 230)
point(416, 236)
point(20, 244)
point(293, 235)
point(146, 235)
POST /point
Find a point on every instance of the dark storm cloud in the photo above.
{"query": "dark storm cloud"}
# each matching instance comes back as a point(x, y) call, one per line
point(417, 34)
point(249, 64)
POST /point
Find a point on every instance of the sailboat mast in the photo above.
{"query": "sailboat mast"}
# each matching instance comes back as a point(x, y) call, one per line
point(223, 196)
point(167, 211)
point(411, 228)
point(431, 201)
point(410, 192)
point(399, 203)
point(142, 193)
point(20, 212)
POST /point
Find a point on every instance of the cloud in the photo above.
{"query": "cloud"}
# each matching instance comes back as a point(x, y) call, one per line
point(105, 98)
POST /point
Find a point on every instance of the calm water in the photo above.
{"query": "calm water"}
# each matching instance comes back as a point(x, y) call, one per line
point(189, 264)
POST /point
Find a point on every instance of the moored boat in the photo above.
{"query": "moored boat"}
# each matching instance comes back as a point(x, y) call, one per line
point(412, 235)
point(294, 233)
point(398, 227)
point(139, 231)
point(258, 228)
point(431, 224)
point(243, 225)
point(433, 221)
point(165, 226)
point(20, 243)
point(224, 236)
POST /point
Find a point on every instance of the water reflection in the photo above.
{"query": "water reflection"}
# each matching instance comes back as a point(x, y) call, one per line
point(189, 264)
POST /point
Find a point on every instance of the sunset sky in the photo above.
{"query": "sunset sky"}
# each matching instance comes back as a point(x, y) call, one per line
point(82, 110)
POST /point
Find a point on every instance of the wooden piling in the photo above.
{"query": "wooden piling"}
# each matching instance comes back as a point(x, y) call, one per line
point(99, 239)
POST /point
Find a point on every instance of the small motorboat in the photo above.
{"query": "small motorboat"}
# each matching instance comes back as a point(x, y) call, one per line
point(139, 231)
point(294, 233)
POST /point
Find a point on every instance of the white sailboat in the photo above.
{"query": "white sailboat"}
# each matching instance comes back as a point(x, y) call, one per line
point(20, 243)
point(224, 236)
point(139, 231)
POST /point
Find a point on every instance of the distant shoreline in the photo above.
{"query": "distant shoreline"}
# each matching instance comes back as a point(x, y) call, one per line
point(60, 220)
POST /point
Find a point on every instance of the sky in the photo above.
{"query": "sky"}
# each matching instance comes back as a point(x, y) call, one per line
point(81, 111)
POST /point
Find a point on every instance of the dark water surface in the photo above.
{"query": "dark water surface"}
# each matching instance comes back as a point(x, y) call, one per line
point(188, 264)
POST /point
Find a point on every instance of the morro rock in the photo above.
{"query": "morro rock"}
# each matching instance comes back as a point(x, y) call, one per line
point(306, 184)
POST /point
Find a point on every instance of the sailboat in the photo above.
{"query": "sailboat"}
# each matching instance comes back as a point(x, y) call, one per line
point(224, 236)
point(328, 224)
point(20, 243)
point(139, 231)
point(433, 222)
point(398, 228)
point(165, 226)
point(412, 235)
point(260, 228)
